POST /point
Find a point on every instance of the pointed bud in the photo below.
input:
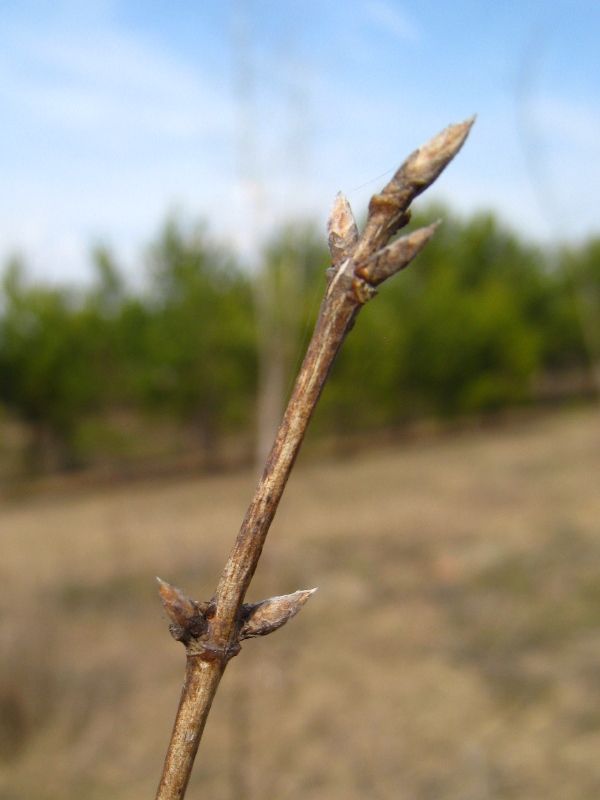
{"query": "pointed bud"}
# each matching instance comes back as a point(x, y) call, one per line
point(341, 229)
point(179, 607)
point(259, 619)
point(422, 167)
point(186, 617)
point(396, 256)
point(388, 210)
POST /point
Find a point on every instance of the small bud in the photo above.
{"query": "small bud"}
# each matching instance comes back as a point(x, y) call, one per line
point(422, 167)
point(388, 210)
point(259, 619)
point(186, 617)
point(396, 256)
point(341, 229)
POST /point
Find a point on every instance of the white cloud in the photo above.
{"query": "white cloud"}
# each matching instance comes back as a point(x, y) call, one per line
point(104, 84)
point(562, 143)
point(105, 133)
point(575, 124)
point(391, 19)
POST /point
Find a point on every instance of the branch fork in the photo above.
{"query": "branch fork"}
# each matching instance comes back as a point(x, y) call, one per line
point(212, 631)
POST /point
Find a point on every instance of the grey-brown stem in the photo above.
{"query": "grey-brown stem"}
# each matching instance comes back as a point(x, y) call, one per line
point(212, 631)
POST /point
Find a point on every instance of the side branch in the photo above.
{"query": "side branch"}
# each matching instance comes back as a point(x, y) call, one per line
point(212, 631)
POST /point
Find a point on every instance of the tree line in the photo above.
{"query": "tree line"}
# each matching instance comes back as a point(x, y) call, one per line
point(469, 328)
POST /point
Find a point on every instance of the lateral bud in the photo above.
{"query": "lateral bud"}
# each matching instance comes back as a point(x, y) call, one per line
point(341, 230)
point(396, 256)
point(259, 619)
point(187, 617)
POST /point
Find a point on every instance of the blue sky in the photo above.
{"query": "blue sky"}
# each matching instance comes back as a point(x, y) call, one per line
point(244, 113)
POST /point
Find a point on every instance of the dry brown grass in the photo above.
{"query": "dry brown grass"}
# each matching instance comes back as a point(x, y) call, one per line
point(461, 579)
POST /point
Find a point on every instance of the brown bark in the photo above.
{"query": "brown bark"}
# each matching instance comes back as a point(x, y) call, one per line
point(212, 631)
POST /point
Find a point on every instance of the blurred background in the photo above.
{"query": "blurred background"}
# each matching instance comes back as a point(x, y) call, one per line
point(166, 175)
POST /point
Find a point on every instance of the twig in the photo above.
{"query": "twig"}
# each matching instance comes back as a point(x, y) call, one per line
point(212, 631)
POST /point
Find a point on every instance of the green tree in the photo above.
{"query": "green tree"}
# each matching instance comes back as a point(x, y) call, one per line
point(47, 365)
point(578, 308)
point(458, 333)
point(200, 342)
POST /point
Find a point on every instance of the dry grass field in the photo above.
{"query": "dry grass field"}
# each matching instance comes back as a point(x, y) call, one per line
point(452, 651)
